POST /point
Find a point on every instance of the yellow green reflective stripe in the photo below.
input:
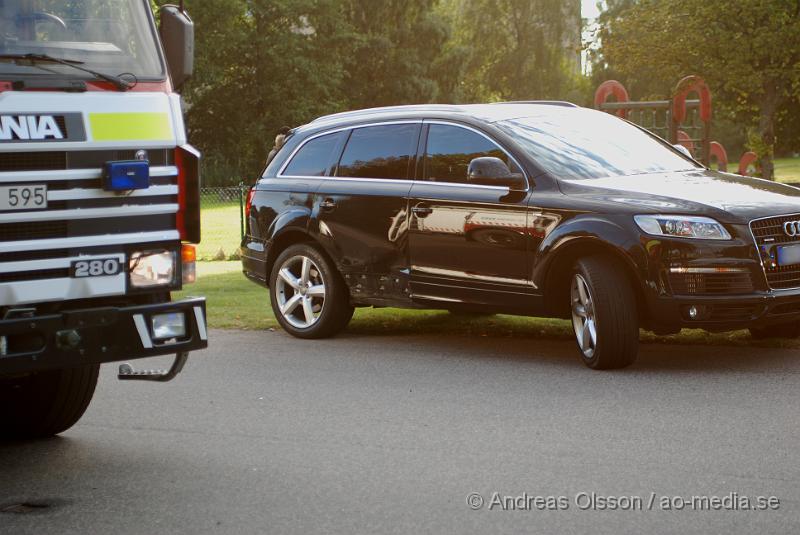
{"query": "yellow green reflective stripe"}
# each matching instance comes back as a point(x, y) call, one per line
point(130, 126)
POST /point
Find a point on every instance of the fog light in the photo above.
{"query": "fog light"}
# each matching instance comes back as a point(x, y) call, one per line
point(152, 269)
point(695, 312)
point(171, 325)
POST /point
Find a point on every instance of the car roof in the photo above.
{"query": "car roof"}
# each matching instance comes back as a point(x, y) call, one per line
point(490, 113)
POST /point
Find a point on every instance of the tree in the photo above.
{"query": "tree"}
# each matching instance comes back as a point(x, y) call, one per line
point(260, 65)
point(264, 64)
point(516, 48)
point(392, 55)
point(748, 51)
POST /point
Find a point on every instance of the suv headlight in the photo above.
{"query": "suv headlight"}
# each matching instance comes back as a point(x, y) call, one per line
point(152, 269)
point(681, 226)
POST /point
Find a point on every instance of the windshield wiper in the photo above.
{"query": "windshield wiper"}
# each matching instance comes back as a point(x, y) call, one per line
point(118, 82)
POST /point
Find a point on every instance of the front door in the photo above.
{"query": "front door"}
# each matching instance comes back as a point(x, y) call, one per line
point(467, 243)
point(362, 210)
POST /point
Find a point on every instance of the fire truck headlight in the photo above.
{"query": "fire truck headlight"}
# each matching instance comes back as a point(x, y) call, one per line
point(152, 269)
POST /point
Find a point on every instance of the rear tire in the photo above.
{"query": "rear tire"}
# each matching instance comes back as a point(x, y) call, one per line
point(45, 403)
point(784, 330)
point(604, 315)
point(307, 293)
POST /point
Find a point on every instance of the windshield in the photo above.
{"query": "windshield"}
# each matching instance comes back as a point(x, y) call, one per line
point(576, 143)
point(109, 36)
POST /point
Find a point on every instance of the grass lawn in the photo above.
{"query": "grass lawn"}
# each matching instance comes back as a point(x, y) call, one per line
point(220, 228)
point(787, 170)
point(236, 303)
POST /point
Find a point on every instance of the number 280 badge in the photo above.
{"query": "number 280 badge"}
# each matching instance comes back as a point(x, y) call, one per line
point(98, 267)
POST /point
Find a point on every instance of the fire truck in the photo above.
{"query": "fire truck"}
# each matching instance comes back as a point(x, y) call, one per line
point(99, 202)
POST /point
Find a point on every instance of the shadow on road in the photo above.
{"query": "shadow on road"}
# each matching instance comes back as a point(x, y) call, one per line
point(669, 357)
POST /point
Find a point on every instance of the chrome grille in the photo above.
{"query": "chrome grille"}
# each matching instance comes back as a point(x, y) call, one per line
point(768, 233)
point(82, 220)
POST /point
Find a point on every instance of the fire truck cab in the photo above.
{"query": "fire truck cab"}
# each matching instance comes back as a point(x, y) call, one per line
point(99, 202)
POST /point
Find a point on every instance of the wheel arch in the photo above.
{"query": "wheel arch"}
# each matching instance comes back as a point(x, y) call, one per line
point(283, 240)
point(554, 277)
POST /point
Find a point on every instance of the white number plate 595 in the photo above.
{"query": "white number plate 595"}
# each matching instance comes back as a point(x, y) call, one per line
point(31, 197)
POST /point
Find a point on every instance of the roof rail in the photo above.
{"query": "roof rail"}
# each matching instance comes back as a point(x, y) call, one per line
point(371, 111)
point(453, 108)
point(563, 103)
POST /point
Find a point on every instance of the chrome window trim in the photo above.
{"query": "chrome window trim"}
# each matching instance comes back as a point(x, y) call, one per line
point(460, 185)
point(280, 174)
point(389, 180)
point(486, 136)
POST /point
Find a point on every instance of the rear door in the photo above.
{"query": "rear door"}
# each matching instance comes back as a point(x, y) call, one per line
point(362, 211)
point(467, 242)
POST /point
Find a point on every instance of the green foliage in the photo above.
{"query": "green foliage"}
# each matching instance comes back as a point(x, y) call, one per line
point(748, 51)
point(388, 60)
point(260, 65)
point(516, 49)
point(265, 64)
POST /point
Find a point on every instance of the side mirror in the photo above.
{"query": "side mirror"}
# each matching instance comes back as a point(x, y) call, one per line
point(177, 36)
point(683, 150)
point(491, 171)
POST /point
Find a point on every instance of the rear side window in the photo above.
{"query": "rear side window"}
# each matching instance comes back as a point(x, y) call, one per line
point(379, 151)
point(316, 156)
point(451, 149)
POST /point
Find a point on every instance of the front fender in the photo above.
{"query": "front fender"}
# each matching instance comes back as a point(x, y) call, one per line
point(587, 234)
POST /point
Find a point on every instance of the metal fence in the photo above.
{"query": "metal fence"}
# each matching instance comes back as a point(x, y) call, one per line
point(222, 222)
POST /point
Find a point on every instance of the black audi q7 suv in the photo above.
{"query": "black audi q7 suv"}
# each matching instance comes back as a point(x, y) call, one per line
point(540, 209)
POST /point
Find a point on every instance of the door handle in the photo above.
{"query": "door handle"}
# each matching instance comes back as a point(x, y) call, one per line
point(327, 205)
point(421, 210)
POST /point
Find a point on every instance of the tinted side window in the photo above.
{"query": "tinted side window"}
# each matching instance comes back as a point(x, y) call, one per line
point(451, 148)
point(379, 151)
point(316, 156)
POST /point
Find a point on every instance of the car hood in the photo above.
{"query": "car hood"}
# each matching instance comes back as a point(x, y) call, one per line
point(727, 197)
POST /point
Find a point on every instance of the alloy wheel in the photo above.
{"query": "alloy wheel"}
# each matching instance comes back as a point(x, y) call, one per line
point(583, 316)
point(300, 290)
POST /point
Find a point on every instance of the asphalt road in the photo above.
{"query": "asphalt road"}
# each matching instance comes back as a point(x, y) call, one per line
point(263, 433)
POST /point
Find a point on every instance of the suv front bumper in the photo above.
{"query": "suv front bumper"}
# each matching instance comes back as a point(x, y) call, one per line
point(96, 335)
point(725, 313)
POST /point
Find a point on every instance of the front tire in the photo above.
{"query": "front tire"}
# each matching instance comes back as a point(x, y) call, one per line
point(45, 403)
point(784, 330)
point(604, 315)
point(308, 296)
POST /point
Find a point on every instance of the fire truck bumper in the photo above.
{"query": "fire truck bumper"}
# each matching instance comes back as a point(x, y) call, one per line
point(30, 343)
